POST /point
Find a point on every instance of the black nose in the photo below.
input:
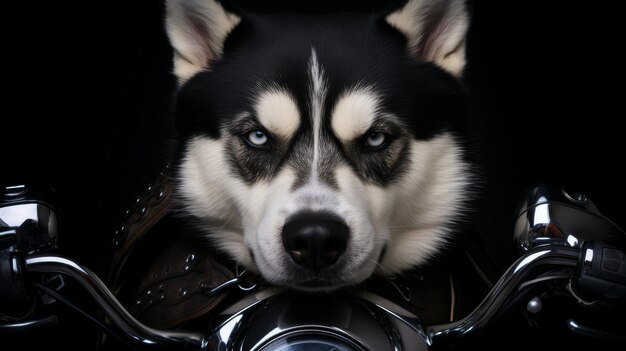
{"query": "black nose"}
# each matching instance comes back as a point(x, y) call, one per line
point(315, 239)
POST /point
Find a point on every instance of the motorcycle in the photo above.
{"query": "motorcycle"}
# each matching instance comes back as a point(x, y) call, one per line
point(570, 255)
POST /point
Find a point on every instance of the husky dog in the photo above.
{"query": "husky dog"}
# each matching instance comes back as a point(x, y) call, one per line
point(318, 150)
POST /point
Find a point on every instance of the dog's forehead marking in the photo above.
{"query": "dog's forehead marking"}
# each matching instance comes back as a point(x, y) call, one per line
point(317, 98)
point(354, 113)
point(278, 112)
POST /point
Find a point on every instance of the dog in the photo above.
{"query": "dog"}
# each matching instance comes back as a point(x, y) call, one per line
point(318, 150)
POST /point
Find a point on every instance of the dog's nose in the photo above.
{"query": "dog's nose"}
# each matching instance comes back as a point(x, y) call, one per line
point(315, 239)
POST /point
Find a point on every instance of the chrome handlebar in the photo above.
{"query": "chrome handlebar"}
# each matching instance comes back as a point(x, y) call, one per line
point(134, 330)
point(504, 291)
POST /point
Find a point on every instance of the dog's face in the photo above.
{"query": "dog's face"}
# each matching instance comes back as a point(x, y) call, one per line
point(319, 149)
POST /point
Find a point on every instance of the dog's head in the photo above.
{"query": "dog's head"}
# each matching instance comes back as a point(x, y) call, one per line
point(320, 149)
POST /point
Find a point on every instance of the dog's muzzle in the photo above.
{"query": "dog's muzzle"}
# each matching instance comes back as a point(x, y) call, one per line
point(315, 240)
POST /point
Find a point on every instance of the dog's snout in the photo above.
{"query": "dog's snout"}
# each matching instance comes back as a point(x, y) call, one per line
point(315, 239)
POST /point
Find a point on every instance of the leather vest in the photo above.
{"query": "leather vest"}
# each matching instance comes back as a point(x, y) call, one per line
point(169, 278)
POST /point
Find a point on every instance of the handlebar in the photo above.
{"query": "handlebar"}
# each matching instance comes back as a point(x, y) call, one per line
point(133, 329)
point(503, 292)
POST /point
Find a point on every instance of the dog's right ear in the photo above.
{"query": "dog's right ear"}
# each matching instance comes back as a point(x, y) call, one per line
point(435, 31)
point(197, 30)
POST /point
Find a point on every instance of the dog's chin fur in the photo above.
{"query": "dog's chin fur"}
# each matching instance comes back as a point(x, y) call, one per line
point(343, 115)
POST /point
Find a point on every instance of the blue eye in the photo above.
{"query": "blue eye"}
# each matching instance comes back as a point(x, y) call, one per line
point(375, 139)
point(256, 138)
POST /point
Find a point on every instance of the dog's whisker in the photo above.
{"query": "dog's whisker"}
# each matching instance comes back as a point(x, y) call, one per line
point(398, 226)
point(228, 221)
point(378, 264)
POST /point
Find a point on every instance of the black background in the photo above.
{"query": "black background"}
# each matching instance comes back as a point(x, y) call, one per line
point(87, 93)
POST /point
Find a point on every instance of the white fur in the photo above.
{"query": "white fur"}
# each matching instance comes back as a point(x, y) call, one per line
point(277, 111)
point(354, 113)
point(197, 30)
point(262, 230)
point(446, 44)
point(425, 202)
point(208, 192)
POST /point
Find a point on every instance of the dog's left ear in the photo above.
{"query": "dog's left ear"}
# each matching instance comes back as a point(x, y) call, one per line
point(435, 30)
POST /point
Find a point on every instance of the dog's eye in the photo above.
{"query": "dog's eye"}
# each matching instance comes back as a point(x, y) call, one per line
point(376, 139)
point(256, 138)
